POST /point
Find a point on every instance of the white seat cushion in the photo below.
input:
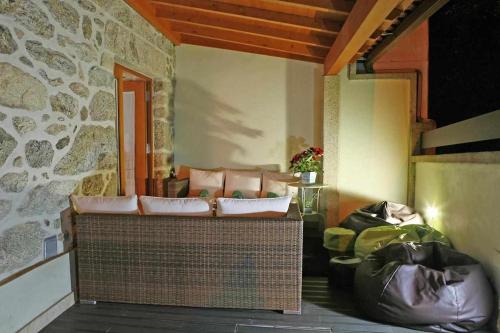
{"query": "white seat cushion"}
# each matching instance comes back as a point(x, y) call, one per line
point(264, 207)
point(212, 181)
point(105, 205)
point(175, 206)
point(247, 182)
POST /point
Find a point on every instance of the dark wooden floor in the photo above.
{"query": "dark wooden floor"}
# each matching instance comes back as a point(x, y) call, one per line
point(324, 311)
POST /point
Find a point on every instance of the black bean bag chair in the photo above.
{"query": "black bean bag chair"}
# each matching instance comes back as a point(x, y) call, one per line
point(383, 213)
point(426, 286)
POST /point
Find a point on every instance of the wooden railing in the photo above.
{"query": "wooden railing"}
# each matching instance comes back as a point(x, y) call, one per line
point(480, 128)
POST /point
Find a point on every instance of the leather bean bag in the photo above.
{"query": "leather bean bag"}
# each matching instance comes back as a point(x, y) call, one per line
point(426, 286)
point(384, 213)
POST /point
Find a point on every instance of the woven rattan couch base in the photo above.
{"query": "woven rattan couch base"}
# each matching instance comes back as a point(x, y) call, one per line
point(191, 261)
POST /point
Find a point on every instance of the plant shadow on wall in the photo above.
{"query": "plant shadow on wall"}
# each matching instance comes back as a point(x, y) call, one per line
point(304, 103)
point(211, 128)
point(295, 144)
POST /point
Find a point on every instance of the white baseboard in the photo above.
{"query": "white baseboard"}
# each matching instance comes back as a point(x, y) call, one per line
point(42, 320)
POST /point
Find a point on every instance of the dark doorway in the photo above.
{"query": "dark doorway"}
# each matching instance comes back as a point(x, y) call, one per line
point(135, 131)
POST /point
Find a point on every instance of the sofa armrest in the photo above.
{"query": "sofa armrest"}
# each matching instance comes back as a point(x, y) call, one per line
point(177, 188)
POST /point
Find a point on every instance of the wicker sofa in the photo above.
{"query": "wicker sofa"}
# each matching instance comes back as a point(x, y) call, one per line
point(252, 263)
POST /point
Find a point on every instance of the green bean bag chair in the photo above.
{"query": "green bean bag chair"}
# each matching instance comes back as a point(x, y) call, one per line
point(376, 238)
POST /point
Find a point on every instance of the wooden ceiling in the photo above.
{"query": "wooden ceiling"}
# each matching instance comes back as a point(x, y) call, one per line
point(329, 32)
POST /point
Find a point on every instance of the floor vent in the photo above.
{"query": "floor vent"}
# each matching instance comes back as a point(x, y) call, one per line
point(242, 328)
point(50, 247)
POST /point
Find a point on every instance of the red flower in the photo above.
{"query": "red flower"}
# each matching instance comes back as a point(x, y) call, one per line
point(318, 151)
point(307, 160)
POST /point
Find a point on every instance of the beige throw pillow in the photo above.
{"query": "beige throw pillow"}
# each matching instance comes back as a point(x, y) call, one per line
point(212, 181)
point(277, 183)
point(247, 182)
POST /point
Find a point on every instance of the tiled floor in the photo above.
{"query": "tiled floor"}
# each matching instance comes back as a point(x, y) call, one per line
point(324, 311)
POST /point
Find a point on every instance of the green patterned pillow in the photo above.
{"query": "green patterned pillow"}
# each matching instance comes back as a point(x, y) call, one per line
point(272, 195)
point(204, 194)
point(238, 195)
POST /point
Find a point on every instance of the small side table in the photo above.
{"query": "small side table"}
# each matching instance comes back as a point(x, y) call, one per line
point(309, 197)
point(175, 188)
point(315, 257)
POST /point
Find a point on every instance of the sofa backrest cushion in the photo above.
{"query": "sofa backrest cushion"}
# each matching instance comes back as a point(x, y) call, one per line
point(264, 207)
point(183, 171)
point(105, 205)
point(175, 206)
point(211, 181)
point(277, 183)
point(246, 182)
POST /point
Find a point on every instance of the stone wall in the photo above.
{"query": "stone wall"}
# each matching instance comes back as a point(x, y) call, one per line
point(57, 110)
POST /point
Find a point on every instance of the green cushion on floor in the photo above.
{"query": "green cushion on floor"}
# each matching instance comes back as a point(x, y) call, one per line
point(339, 239)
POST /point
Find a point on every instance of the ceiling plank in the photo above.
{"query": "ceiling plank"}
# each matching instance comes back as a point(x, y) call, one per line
point(209, 42)
point(335, 9)
point(219, 8)
point(304, 36)
point(421, 13)
point(241, 37)
point(339, 6)
point(360, 53)
point(394, 14)
point(292, 8)
point(148, 12)
point(405, 4)
point(366, 16)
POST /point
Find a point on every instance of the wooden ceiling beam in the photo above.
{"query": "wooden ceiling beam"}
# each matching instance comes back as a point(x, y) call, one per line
point(304, 36)
point(366, 16)
point(244, 38)
point(422, 12)
point(220, 44)
point(148, 12)
point(219, 8)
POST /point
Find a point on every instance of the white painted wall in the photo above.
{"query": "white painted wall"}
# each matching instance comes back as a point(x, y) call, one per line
point(373, 142)
point(465, 199)
point(236, 109)
point(26, 297)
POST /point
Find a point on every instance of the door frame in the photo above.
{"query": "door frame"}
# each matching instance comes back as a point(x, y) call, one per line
point(119, 70)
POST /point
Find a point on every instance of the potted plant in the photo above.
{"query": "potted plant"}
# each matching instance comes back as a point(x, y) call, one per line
point(308, 163)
